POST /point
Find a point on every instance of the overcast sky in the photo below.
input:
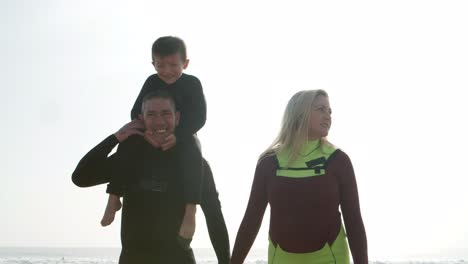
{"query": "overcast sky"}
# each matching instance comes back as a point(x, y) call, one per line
point(396, 73)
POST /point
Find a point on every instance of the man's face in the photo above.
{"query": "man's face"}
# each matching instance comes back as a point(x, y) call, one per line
point(170, 67)
point(159, 116)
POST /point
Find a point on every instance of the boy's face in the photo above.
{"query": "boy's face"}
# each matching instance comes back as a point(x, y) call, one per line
point(170, 67)
point(159, 116)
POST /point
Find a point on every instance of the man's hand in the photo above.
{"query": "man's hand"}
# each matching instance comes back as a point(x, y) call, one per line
point(169, 142)
point(134, 127)
point(187, 229)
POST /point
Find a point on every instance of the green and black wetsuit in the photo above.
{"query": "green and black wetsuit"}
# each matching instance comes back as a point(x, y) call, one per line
point(304, 198)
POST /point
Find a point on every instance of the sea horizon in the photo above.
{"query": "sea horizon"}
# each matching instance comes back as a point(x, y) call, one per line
point(108, 255)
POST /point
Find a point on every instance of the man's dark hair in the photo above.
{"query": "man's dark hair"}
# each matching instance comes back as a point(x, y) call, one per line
point(165, 46)
point(160, 94)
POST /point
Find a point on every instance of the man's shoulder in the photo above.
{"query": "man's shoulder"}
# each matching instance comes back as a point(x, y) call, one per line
point(132, 143)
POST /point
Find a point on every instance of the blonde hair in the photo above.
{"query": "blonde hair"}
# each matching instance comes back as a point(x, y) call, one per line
point(294, 132)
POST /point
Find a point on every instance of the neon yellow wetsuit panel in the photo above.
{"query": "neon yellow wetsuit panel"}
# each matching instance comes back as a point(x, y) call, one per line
point(310, 163)
point(337, 253)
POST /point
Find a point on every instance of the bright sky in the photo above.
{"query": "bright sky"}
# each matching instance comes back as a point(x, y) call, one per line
point(396, 72)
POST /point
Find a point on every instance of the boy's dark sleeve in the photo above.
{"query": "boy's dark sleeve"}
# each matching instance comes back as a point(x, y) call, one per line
point(93, 168)
point(192, 110)
point(211, 207)
point(136, 109)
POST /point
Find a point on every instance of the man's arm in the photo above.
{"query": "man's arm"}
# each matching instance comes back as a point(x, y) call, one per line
point(93, 168)
point(211, 207)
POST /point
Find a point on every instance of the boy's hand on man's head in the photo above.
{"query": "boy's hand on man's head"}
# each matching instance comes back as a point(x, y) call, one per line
point(169, 142)
point(134, 127)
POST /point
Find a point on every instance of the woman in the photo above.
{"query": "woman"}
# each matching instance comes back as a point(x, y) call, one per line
point(305, 179)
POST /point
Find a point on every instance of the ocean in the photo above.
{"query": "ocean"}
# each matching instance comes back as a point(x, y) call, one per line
point(35, 255)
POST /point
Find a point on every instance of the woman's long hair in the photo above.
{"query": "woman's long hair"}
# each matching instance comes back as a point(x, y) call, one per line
point(294, 132)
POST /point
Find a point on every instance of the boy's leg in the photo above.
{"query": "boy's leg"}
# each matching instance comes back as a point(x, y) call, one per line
point(115, 189)
point(113, 205)
point(190, 160)
point(191, 163)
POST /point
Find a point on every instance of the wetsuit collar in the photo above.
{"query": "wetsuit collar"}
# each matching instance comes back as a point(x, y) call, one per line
point(310, 146)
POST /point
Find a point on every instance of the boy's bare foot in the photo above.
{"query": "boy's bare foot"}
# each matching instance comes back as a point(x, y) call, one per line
point(113, 205)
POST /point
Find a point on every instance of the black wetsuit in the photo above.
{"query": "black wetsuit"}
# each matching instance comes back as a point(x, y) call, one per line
point(95, 168)
point(153, 204)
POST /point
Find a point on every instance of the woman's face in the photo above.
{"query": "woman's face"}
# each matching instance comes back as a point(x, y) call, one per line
point(320, 118)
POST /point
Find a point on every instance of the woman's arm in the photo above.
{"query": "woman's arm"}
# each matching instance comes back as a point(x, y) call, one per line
point(349, 200)
point(255, 209)
point(211, 207)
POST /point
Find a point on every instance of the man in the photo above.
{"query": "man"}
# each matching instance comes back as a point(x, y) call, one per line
point(152, 187)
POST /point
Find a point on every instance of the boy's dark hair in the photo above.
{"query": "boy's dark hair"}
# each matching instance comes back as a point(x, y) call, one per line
point(160, 94)
point(165, 46)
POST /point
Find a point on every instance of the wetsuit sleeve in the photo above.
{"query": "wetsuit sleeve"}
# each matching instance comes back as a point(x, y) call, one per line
point(211, 207)
point(192, 111)
point(349, 200)
point(120, 165)
point(136, 109)
point(255, 210)
point(93, 167)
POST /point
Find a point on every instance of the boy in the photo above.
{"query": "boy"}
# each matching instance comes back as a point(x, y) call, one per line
point(169, 60)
